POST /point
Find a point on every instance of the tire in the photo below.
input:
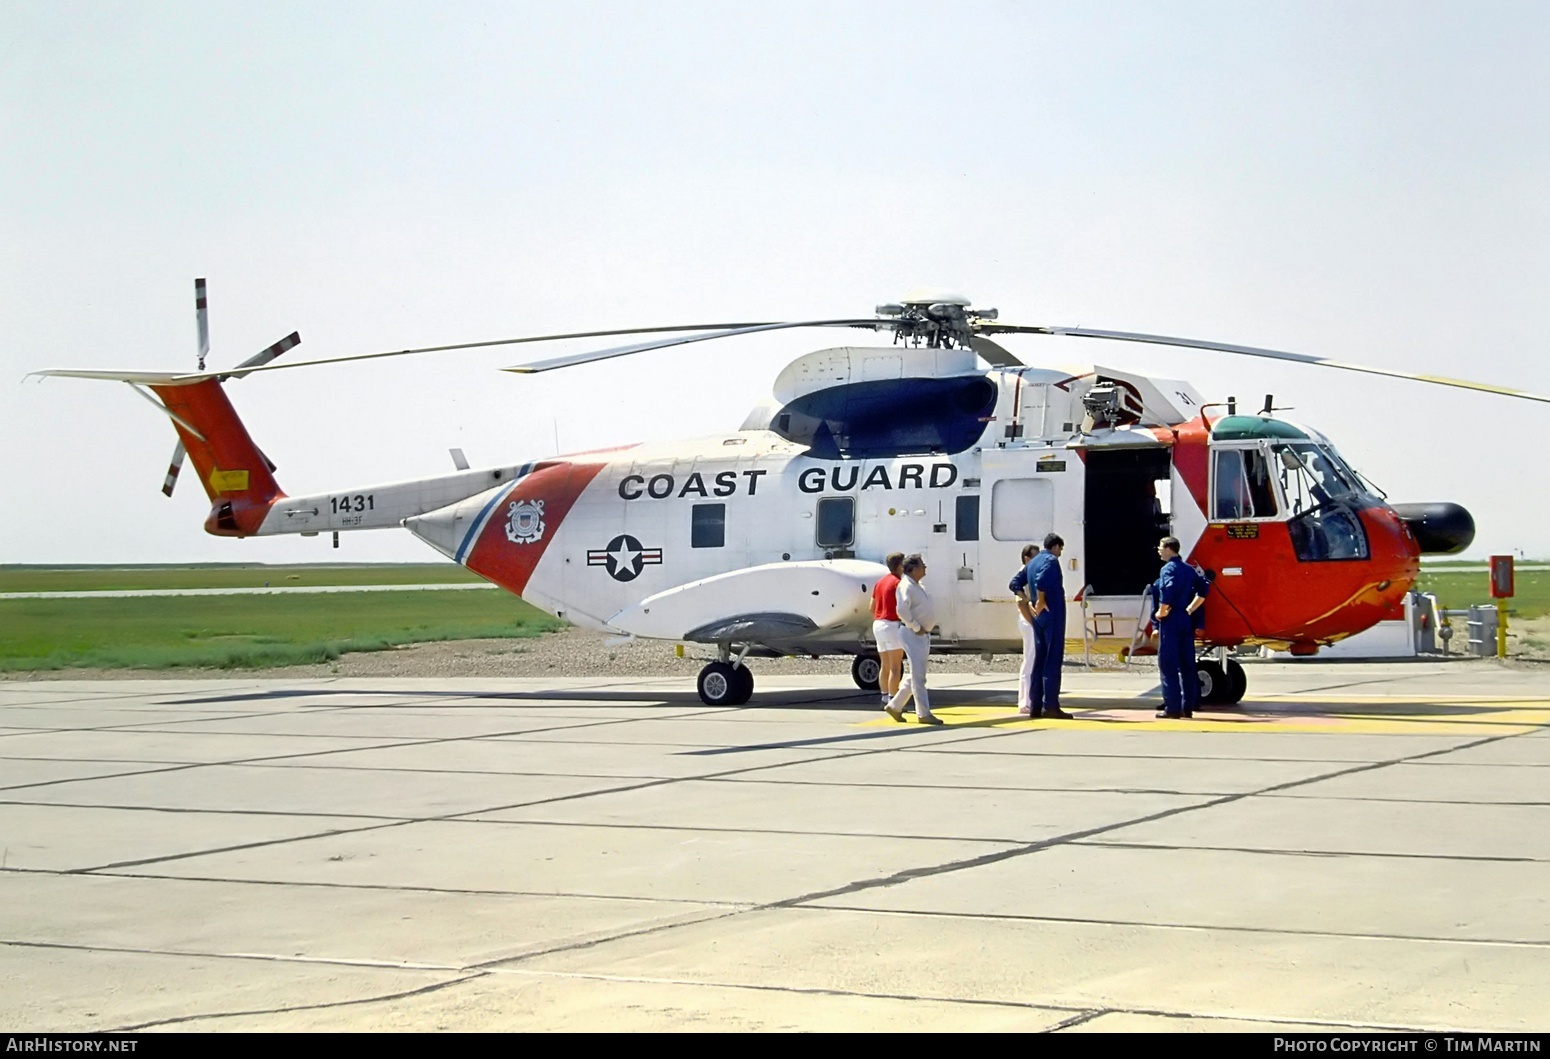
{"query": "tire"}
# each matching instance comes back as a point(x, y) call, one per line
point(867, 672)
point(1237, 683)
point(744, 677)
point(1215, 688)
point(719, 685)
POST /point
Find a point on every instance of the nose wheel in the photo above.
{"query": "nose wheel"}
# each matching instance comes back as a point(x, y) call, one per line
point(725, 684)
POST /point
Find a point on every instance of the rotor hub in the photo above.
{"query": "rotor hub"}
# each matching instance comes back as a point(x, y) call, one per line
point(938, 319)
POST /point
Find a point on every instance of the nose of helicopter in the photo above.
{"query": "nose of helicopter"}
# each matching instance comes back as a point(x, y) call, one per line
point(1397, 538)
point(1370, 591)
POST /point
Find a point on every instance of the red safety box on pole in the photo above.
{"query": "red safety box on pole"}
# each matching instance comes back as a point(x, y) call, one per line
point(1501, 577)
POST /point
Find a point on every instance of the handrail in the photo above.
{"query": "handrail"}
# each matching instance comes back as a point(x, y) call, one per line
point(1087, 649)
point(1143, 615)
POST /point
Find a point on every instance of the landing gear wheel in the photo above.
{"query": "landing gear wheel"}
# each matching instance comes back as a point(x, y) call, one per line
point(867, 671)
point(744, 677)
point(723, 684)
point(1237, 683)
point(1215, 688)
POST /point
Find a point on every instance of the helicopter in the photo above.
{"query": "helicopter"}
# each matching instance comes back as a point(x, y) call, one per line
point(766, 540)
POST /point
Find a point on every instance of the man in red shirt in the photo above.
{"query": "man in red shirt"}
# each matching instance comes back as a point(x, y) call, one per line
point(885, 626)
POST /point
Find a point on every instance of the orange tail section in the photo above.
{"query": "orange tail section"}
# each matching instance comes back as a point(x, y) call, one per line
point(238, 478)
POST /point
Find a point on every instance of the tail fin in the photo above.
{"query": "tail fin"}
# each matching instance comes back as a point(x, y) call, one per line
point(238, 478)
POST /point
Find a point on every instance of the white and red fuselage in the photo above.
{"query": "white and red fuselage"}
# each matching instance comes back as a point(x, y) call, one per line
point(770, 536)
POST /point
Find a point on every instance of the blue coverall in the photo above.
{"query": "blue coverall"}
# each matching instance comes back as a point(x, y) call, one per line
point(1049, 632)
point(1177, 585)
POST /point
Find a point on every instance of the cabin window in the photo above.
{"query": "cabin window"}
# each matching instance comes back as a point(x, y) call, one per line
point(709, 526)
point(836, 522)
point(968, 518)
point(1243, 486)
point(1022, 509)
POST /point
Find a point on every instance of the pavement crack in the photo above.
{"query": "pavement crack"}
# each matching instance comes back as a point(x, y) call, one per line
point(1205, 928)
point(1077, 1020)
point(291, 1008)
point(795, 990)
point(1341, 853)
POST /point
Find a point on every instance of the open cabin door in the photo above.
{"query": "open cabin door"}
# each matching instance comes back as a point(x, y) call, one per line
point(1128, 510)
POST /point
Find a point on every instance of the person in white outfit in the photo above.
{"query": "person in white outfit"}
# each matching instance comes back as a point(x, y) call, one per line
point(1019, 589)
point(916, 619)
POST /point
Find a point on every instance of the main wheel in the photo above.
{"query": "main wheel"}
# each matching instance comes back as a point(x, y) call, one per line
point(1214, 686)
point(721, 685)
point(744, 677)
point(1237, 683)
point(867, 672)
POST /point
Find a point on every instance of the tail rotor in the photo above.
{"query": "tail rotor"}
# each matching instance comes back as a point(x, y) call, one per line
point(202, 319)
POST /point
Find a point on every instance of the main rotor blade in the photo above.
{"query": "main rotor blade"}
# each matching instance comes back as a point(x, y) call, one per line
point(994, 354)
point(489, 344)
point(641, 347)
point(1270, 354)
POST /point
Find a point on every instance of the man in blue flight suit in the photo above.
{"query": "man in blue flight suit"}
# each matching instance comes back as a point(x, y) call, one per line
point(1179, 592)
point(1047, 587)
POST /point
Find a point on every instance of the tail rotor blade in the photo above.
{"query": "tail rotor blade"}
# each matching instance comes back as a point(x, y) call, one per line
point(259, 359)
point(202, 315)
point(173, 469)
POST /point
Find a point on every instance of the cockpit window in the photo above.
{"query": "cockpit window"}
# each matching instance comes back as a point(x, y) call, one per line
point(1312, 475)
point(1331, 532)
point(1243, 487)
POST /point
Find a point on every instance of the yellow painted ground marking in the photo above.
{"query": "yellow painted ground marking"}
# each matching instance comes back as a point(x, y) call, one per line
point(1308, 712)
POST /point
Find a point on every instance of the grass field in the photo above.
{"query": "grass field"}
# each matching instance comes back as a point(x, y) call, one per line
point(245, 631)
point(135, 578)
point(1457, 590)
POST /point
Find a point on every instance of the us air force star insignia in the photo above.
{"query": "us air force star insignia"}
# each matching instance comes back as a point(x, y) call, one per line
point(525, 522)
point(624, 557)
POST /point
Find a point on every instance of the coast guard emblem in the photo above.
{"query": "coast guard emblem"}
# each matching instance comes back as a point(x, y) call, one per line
point(525, 522)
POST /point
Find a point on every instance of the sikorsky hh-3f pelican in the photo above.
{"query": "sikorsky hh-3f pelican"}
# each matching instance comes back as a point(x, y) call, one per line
point(766, 539)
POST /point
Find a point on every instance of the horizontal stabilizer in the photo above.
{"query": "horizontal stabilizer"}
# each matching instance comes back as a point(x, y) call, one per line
point(143, 378)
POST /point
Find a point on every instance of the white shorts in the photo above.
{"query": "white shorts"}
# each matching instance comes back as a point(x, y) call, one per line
point(886, 633)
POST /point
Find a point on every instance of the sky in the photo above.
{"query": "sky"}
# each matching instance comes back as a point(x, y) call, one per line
point(1358, 180)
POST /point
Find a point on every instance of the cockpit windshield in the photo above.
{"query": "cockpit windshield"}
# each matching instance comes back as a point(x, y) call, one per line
point(1313, 474)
